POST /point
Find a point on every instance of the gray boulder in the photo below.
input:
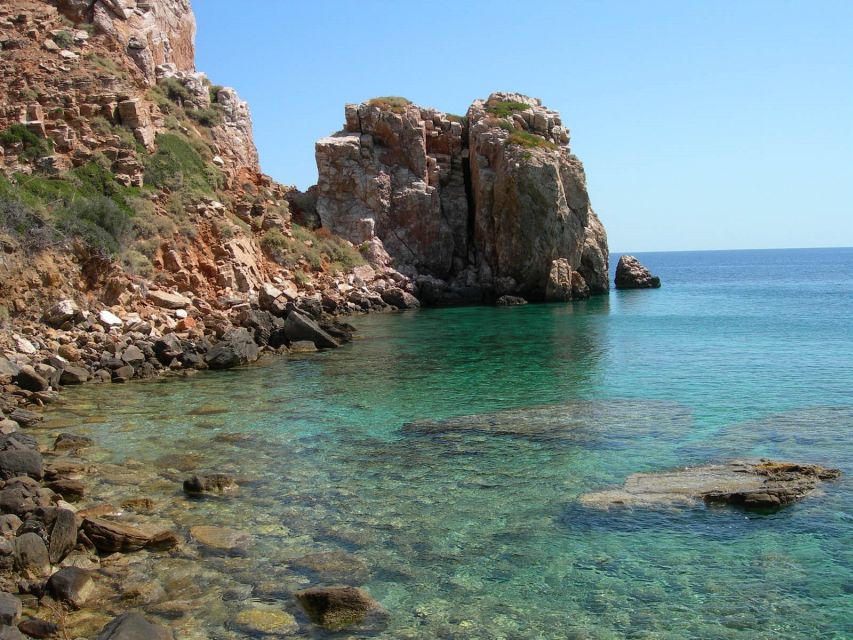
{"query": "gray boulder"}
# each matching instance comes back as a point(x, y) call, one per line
point(63, 536)
point(31, 554)
point(18, 462)
point(10, 609)
point(400, 299)
point(237, 347)
point(29, 379)
point(299, 327)
point(72, 585)
point(72, 375)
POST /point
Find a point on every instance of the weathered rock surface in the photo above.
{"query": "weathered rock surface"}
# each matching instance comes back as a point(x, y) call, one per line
point(337, 607)
point(266, 622)
point(630, 274)
point(134, 626)
point(485, 205)
point(220, 538)
point(110, 536)
point(216, 483)
point(71, 585)
point(10, 609)
point(236, 348)
point(752, 485)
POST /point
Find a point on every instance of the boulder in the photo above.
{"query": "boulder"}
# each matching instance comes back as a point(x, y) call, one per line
point(510, 301)
point(123, 374)
point(109, 536)
point(168, 300)
point(72, 375)
point(751, 485)
point(25, 417)
point(38, 628)
point(262, 324)
point(10, 609)
point(237, 347)
point(400, 299)
point(31, 554)
point(72, 585)
point(9, 523)
point(630, 274)
point(11, 633)
point(299, 327)
point(108, 319)
point(30, 380)
point(336, 607)
point(168, 348)
point(63, 535)
point(133, 356)
point(8, 368)
point(134, 626)
point(16, 462)
point(62, 312)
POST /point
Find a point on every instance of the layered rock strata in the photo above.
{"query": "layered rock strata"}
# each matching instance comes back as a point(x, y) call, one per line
point(473, 208)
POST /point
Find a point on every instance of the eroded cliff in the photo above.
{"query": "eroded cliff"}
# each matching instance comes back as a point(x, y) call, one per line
point(472, 207)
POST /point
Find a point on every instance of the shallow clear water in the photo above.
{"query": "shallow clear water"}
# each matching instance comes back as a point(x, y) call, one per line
point(470, 528)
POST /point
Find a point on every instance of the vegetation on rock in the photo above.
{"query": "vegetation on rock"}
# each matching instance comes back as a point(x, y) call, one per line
point(394, 104)
point(507, 108)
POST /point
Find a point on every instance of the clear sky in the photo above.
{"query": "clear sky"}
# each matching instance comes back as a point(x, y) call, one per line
point(702, 124)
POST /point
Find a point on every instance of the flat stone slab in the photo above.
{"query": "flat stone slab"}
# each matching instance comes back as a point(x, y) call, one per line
point(763, 484)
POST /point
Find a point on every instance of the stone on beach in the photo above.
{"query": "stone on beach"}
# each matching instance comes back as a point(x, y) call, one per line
point(338, 606)
point(71, 585)
point(109, 536)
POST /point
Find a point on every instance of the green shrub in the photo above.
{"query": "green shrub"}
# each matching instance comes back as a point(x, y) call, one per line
point(98, 221)
point(64, 39)
point(33, 147)
point(108, 65)
point(530, 140)
point(506, 126)
point(394, 104)
point(507, 108)
point(178, 165)
point(320, 249)
point(174, 90)
point(136, 263)
point(463, 120)
point(206, 117)
point(214, 90)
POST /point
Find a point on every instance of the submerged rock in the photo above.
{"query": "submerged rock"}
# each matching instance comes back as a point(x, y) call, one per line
point(109, 536)
point(220, 538)
point(213, 483)
point(337, 607)
point(630, 274)
point(134, 626)
point(752, 485)
point(266, 622)
point(71, 585)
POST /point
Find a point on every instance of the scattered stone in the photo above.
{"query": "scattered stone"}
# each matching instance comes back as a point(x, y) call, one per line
point(630, 274)
point(70, 489)
point(11, 633)
point(336, 607)
point(24, 417)
point(333, 567)
point(9, 523)
point(303, 346)
point(10, 609)
point(751, 485)
point(139, 505)
point(8, 368)
point(71, 585)
point(108, 319)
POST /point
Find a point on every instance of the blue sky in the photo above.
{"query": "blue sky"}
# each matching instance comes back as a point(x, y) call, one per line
point(702, 124)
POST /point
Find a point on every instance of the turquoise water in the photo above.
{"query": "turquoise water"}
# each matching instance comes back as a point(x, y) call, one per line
point(471, 527)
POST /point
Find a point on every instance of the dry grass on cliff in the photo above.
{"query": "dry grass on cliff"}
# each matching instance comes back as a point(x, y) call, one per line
point(394, 104)
point(319, 250)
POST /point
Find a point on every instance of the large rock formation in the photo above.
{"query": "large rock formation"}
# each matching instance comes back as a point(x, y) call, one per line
point(631, 274)
point(151, 32)
point(478, 207)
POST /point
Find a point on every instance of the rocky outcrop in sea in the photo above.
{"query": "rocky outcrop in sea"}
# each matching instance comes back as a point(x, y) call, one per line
point(472, 208)
point(631, 274)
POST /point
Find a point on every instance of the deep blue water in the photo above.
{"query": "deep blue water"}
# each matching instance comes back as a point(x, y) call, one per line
point(440, 458)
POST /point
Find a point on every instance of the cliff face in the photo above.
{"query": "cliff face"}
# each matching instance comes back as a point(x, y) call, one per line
point(151, 32)
point(474, 208)
point(124, 170)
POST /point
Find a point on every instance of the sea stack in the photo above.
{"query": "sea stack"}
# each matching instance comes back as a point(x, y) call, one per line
point(472, 208)
point(631, 274)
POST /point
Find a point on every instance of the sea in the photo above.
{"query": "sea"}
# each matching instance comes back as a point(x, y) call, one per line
point(438, 461)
